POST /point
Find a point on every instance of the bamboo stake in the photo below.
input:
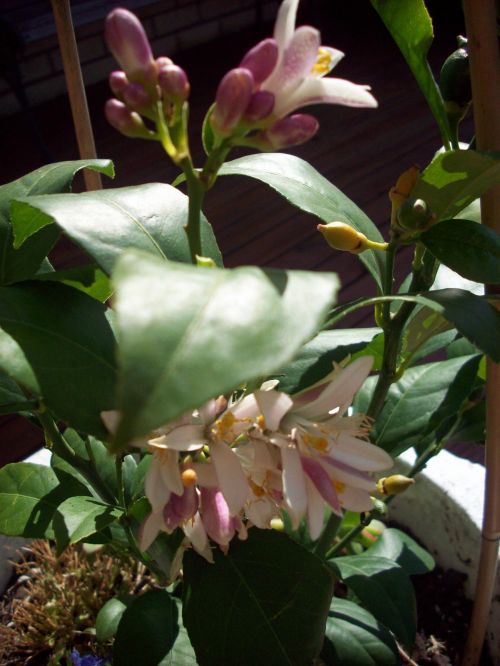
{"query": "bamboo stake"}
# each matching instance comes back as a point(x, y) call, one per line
point(480, 20)
point(76, 89)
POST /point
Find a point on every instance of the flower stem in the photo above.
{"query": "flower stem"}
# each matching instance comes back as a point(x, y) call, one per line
point(328, 535)
point(196, 193)
point(352, 534)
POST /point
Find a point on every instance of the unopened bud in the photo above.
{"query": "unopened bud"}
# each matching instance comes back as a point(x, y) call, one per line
point(343, 237)
point(261, 60)
point(454, 79)
point(163, 61)
point(394, 485)
point(289, 131)
point(233, 96)
point(414, 215)
point(174, 83)
point(261, 106)
point(189, 477)
point(124, 120)
point(137, 97)
point(118, 82)
point(128, 42)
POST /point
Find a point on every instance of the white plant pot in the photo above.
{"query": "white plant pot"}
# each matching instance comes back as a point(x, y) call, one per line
point(443, 510)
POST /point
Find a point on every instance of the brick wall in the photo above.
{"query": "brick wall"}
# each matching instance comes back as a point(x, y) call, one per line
point(172, 26)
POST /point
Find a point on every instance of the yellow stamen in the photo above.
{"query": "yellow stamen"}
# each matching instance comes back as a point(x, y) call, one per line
point(224, 424)
point(258, 491)
point(323, 62)
point(188, 478)
point(339, 486)
point(261, 422)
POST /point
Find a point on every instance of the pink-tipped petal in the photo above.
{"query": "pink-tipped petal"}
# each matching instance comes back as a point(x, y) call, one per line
point(233, 96)
point(322, 482)
point(300, 55)
point(315, 510)
point(261, 60)
point(180, 508)
point(150, 529)
point(360, 454)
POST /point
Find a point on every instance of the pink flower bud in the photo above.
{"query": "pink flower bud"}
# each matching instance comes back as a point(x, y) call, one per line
point(124, 120)
point(218, 522)
point(261, 60)
point(118, 82)
point(289, 131)
point(174, 82)
point(261, 105)
point(180, 508)
point(129, 44)
point(233, 96)
point(162, 61)
point(136, 96)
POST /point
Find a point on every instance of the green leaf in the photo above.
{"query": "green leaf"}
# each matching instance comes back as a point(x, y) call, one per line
point(402, 549)
point(354, 637)
point(89, 279)
point(182, 654)
point(86, 516)
point(420, 401)
point(315, 359)
point(275, 596)
point(426, 325)
point(70, 346)
point(23, 263)
point(307, 189)
point(10, 394)
point(188, 334)
point(384, 588)
point(14, 362)
point(411, 28)
point(454, 179)
point(470, 249)
point(29, 499)
point(109, 617)
point(107, 222)
point(147, 630)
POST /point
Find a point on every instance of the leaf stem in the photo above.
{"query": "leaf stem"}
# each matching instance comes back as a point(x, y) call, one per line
point(196, 193)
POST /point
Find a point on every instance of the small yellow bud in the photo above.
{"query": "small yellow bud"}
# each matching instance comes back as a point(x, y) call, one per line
point(277, 524)
point(341, 236)
point(205, 262)
point(404, 185)
point(394, 485)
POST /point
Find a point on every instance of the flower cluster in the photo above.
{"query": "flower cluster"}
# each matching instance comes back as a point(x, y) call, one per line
point(278, 76)
point(227, 466)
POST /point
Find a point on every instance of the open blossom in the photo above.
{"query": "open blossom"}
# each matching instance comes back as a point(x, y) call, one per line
point(278, 76)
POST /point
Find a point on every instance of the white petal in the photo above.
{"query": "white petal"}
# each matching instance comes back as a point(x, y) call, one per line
point(360, 454)
point(285, 22)
point(183, 438)
point(246, 408)
point(195, 532)
point(168, 462)
point(206, 475)
point(315, 510)
point(273, 405)
point(328, 90)
point(355, 499)
point(300, 55)
point(150, 528)
point(110, 419)
point(154, 487)
point(340, 390)
point(232, 480)
point(348, 478)
point(294, 486)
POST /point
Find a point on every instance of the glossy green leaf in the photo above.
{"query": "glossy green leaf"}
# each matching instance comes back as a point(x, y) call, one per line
point(424, 397)
point(188, 334)
point(315, 359)
point(29, 499)
point(89, 279)
point(275, 596)
point(107, 222)
point(411, 28)
point(354, 637)
point(67, 340)
point(307, 189)
point(422, 328)
point(454, 179)
point(21, 264)
point(109, 617)
point(402, 549)
point(147, 630)
point(470, 249)
point(10, 394)
point(85, 516)
point(14, 362)
point(384, 589)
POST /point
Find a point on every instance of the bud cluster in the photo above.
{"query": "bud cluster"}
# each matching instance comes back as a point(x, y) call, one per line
point(145, 88)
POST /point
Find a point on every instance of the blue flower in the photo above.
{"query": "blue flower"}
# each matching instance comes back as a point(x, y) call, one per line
point(87, 660)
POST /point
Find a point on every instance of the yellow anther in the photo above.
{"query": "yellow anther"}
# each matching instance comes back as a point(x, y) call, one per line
point(224, 424)
point(258, 491)
point(339, 486)
point(318, 443)
point(261, 422)
point(323, 62)
point(189, 478)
